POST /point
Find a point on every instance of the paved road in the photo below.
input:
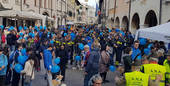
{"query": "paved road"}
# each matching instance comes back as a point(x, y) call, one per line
point(73, 78)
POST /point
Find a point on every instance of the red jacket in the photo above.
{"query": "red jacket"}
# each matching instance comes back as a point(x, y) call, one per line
point(86, 57)
point(3, 38)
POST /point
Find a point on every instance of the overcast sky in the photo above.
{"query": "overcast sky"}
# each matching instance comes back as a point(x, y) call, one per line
point(90, 2)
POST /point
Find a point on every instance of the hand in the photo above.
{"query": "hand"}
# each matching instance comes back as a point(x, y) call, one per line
point(158, 77)
point(2, 67)
point(85, 73)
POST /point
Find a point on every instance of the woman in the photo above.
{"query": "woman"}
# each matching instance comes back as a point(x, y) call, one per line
point(104, 62)
point(63, 56)
point(29, 70)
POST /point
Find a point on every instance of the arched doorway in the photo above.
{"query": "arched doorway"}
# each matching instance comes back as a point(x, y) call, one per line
point(135, 25)
point(125, 22)
point(151, 19)
point(117, 22)
point(169, 20)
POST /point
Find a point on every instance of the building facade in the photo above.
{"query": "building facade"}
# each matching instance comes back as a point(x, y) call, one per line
point(135, 14)
point(56, 12)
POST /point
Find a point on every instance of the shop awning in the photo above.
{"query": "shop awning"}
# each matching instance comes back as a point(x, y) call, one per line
point(23, 15)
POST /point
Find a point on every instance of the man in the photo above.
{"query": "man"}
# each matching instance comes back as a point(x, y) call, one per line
point(92, 67)
point(96, 80)
point(137, 78)
point(47, 54)
point(118, 43)
point(136, 53)
point(11, 40)
point(154, 69)
point(3, 67)
point(167, 66)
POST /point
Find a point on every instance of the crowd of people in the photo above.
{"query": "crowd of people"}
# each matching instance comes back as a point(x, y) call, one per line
point(89, 48)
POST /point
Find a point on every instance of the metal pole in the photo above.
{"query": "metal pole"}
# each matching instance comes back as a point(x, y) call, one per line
point(40, 1)
point(160, 13)
point(130, 2)
point(21, 5)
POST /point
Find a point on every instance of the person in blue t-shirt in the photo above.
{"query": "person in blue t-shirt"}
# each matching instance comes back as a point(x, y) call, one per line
point(3, 67)
point(136, 52)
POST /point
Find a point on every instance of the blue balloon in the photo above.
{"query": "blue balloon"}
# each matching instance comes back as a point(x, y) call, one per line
point(20, 28)
point(117, 30)
point(142, 41)
point(20, 38)
point(41, 27)
point(21, 34)
point(150, 45)
point(55, 69)
point(1, 27)
point(73, 36)
point(22, 59)
point(78, 58)
point(25, 28)
point(51, 42)
point(33, 35)
point(18, 68)
point(36, 27)
point(121, 32)
point(65, 34)
point(101, 33)
point(57, 60)
point(81, 46)
point(112, 68)
point(45, 27)
point(110, 30)
point(23, 51)
point(30, 34)
point(147, 51)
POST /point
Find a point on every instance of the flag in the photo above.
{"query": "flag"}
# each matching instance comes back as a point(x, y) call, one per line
point(97, 9)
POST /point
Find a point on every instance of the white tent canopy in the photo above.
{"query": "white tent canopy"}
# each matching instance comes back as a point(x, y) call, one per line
point(160, 33)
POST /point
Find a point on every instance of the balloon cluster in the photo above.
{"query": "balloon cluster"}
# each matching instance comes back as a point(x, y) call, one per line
point(55, 68)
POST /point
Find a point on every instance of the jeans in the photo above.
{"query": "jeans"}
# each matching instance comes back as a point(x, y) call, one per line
point(15, 78)
point(49, 79)
point(2, 80)
point(28, 84)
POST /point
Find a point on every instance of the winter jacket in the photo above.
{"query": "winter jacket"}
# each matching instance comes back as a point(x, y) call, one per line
point(63, 57)
point(29, 69)
point(93, 61)
point(3, 38)
point(11, 39)
point(3, 62)
point(47, 59)
point(104, 62)
point(127, 62)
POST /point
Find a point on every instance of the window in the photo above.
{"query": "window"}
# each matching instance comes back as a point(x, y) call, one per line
point(24, 1)
point(45, 6)
point(40, 3)
point(35, 2)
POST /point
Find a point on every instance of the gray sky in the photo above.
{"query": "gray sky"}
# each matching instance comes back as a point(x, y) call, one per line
point(90, 2)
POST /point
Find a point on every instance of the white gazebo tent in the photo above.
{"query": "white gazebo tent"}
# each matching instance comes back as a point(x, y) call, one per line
point(160, 33)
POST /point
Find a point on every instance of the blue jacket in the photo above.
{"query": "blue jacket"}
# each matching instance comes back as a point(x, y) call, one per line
point(3, 62)
point(47, 59)
point(135, 52)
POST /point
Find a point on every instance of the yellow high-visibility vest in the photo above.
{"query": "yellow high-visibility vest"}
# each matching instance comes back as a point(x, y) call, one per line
point(167, 66)
point(136, 78)
point(155, 69)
